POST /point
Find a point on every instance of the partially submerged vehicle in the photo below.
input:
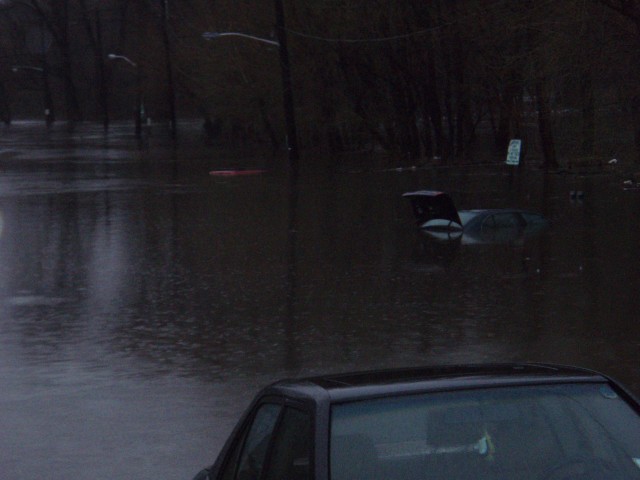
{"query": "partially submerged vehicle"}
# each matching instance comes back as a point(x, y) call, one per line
point(491, 422)
point(438, 217)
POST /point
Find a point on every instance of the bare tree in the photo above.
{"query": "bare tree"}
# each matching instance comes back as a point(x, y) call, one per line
point(55, 15)
point(629, 10)
point(93, 15)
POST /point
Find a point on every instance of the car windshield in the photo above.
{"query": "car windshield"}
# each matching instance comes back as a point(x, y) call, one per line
point(467, 215)
point(535, 432)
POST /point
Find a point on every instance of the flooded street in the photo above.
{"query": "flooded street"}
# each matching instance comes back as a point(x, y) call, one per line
point(143, 301)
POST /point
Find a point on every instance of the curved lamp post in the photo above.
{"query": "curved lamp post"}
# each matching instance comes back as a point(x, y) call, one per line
point(287, 95)
point(113, 56)
point(139, 111)
point(49, 117)
point(214, 35)
point(17, 68)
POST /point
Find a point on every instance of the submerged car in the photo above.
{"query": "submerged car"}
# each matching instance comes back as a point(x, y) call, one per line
point(438, 217)
point(494, 422)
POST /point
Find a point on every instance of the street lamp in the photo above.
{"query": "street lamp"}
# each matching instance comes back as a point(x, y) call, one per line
point(113, 56)
point(139, 112)
point(213, 35)
point(17, 68)
point(287, 95)
point(49, 117)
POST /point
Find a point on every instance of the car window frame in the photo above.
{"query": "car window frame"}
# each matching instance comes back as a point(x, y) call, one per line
point(239, 434)
point(287, 407)
point(247, 448)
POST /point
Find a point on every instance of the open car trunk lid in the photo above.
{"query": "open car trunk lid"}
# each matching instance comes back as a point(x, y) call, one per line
point(431, 205)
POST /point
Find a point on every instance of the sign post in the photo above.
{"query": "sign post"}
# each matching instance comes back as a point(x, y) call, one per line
point(513, 152)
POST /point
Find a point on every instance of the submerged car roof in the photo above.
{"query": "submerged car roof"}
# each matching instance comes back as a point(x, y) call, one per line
point(379, 383)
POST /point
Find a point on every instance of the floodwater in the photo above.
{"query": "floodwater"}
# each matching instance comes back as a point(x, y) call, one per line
point(143, 301)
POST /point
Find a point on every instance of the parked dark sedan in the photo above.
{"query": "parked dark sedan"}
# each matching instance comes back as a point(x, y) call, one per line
point(438, 217)
point(495, 422)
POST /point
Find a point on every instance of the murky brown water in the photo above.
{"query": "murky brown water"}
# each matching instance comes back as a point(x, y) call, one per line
point(143, 302)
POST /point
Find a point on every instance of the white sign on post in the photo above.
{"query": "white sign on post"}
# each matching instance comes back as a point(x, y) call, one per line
point(513, 153)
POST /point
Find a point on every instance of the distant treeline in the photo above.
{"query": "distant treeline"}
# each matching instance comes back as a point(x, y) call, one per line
point(437, 79)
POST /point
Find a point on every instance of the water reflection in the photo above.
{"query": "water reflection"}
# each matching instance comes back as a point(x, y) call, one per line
point(134, 282)
point(433, 254)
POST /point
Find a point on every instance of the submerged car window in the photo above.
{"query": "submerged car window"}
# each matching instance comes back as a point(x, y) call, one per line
point(467, 215)
point(541, 433)
point(533, 218)
point(502, 220)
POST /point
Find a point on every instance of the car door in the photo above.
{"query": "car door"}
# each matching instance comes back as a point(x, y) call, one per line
point(276, 444)
point(501, 227)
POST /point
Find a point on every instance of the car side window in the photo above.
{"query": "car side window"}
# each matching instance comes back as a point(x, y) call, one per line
point(505, 220)
point(247, 459)
point(291, 454)
point(533, 218)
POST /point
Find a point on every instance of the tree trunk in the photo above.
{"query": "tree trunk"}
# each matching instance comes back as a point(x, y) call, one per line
point(103, 93)
point(433, 104)
point(544, 126)
point(5, 110)
point(95, 41)
point(49, 113)
point(635, 117)
point(171, 93)
point(70, 90)
point(268, 127)
point(588, 114)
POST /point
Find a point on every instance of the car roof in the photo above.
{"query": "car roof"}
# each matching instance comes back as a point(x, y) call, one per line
point(343, 387)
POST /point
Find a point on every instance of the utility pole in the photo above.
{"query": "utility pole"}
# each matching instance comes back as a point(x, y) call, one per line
point(170, 85)
point(289, 111)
